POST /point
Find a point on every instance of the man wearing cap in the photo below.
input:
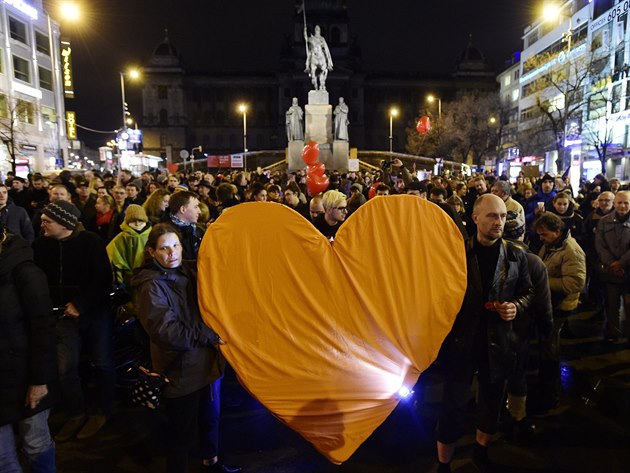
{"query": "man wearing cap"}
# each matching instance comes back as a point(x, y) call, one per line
point(18, 193)
point(537, 203)
point(86, 203)
point(79, 279)
point(539, 315)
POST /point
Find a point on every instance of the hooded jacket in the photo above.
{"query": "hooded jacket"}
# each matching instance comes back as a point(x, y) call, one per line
point(182, 346)
point(28, 354)
point(126, 251)
point(566, 266)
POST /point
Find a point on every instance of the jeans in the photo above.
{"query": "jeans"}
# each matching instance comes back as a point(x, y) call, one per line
point(191, 417)
point(36, 443)
point(95, 331)
point(614, 294)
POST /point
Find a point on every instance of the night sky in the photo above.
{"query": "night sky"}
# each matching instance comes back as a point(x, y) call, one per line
point(246, 35)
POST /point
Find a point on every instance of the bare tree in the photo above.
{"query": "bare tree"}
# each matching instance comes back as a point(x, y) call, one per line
point(14, 115)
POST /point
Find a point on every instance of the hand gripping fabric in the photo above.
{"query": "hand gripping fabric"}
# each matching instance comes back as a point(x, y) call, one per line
point(326, 335)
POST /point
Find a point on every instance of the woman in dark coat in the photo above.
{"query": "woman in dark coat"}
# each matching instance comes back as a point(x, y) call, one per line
point(28, 357)
point(183, 349)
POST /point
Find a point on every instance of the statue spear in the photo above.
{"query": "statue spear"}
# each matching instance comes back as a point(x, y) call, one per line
point(303, 8)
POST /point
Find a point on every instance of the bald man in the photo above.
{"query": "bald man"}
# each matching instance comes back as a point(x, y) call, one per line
point(499, 290)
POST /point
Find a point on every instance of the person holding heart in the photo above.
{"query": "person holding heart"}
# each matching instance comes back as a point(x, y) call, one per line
point(499, 290)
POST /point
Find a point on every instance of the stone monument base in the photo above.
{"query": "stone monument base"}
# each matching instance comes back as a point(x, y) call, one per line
point(340, 156)
point(318, 97)
point(295, 155)
point(318, 123)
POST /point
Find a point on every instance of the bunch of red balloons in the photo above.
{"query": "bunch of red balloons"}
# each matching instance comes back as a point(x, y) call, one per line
point(316, 180)
point(424, 125)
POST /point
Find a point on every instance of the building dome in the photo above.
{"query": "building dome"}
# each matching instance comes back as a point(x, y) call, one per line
point(165, 54)
point(472, 59)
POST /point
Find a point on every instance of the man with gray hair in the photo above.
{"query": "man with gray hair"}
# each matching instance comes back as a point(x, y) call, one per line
point(503, 189)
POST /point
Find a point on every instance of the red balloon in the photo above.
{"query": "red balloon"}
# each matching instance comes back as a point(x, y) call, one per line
point(172, 167)
point(424, 125)
point(316, 169)
point(317, 184)
point(372, 191)
point(310, 153)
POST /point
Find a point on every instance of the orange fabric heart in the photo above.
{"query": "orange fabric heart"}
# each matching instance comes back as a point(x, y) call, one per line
point(325, 335)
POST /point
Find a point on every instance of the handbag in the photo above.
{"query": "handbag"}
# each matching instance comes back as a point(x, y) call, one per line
point(148, 388)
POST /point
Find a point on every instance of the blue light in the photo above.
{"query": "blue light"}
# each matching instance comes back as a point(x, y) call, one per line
point(404, 392)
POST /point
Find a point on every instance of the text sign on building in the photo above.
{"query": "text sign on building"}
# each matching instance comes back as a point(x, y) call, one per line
point(66, 63)
point(236, 161)
point(71, 125)
point(24, 7)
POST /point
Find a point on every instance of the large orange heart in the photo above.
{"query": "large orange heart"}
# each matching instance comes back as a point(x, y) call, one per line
point(325, 335)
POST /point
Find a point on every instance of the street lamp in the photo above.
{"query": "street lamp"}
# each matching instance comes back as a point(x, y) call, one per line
point(133, 74)
point(242, 107)
point(393, 112)
point(432, 98)
point(69, 11)
point(552, 12)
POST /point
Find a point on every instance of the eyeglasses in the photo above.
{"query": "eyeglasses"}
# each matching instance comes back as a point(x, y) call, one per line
point(47, 222)
point(343, 209)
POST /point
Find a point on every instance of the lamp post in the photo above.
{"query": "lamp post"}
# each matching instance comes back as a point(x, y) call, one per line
point(432, 98)
point(242, 107)
point(133, 74)
point(393, 112)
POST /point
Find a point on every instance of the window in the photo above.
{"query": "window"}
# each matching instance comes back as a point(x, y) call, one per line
point(49, 115)
point(507, 80)
point(45, 78)
point(596, 106)
point(163, 117)
point(3, 106)
point(163, 140)
point(25, 111)
point(515, 95)
point(162, 92)
point(42, 43)
point(616, 99)
point(18, 30)
point(21, 69)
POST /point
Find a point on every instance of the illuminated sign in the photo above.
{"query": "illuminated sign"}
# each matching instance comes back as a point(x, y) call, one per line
point(71, 125)
point(66, 62)
point(560, 58)
point(24, 7)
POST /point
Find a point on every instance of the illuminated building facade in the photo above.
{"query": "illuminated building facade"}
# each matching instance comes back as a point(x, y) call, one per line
point(31, 89)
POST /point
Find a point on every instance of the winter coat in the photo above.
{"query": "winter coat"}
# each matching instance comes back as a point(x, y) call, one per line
point(15, 219)
point(532, 204)
point(77, 268)
point(511, 283)
point(574, 221)
point(612, 240)
point(182, 346)
point(190, 236)
point(566, 266)
point(28, 354)
point(126, 252)
point(540, 310)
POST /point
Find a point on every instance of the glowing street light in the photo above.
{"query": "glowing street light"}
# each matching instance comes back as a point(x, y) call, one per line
point(69, 11)
point(242, 107)
point(133, 74)
point(393, 112)
point(432, 98)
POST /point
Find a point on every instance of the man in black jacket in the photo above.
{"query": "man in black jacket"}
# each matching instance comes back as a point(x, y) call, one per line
point(183, 213)
point(28, 364)
point(499, 289)
point(79, 279)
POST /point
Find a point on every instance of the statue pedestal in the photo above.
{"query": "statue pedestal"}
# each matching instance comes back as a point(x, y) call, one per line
point(295, 155)
point(341, 154)
point(318, 123)
point(318, 97)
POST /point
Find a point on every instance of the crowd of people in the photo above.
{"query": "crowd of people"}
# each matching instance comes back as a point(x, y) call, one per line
point(537, 250)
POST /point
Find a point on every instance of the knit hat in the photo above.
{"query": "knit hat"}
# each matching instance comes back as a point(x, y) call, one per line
point(514, 226)
point(64, 213)
point(547, 177)
point(135, 212)
point(357, 186)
